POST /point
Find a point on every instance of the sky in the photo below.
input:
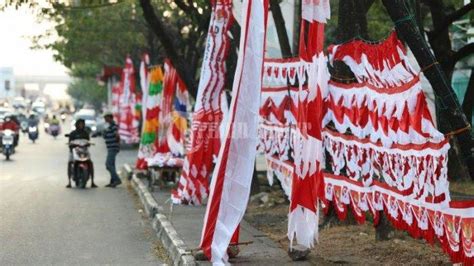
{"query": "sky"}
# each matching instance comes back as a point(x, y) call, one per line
point(16, 26)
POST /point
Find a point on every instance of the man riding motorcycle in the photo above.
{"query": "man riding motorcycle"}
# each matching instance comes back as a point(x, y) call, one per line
point(32, 120)
point(10, 123)
point(79, 133)
point(54, 126)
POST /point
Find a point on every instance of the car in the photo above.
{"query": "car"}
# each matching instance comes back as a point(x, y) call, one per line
point(90, 119)
point(4, 111)
point(39, 108)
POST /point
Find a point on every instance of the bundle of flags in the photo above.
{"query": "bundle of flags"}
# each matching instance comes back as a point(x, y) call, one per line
point(150, 124)
point(171, 121)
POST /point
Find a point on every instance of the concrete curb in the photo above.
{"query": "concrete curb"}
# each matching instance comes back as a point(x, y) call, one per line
point(167, 234)
point(127, 172)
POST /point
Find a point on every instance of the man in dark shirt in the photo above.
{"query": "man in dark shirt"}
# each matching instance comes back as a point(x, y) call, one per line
point(112, 141)
point(79, 133)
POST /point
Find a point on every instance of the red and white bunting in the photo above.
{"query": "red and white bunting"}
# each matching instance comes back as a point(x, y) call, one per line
point(384, 64)
point(452, 224)
point(392, 115)
point(316, 10)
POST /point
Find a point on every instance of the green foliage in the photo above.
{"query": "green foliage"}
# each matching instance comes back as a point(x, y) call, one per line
point(87, 90)
point(102, 35)
point(379, 23)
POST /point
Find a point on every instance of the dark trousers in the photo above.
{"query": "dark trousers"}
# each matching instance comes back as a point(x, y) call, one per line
point(110, 165)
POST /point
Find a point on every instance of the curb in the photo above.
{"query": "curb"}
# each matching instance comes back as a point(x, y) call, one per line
point(127, 172)
point(167, 234)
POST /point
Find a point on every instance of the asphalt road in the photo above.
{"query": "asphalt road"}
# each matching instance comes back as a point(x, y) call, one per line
point(43, 223)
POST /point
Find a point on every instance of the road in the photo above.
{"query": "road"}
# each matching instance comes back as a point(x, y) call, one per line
point(43, 223)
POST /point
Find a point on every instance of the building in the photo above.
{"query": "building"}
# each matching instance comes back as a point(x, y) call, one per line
point(7, 82)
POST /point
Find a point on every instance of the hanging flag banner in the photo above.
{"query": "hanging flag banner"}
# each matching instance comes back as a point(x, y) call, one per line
point(231, 180)
point(193, 186)
point(128, 124)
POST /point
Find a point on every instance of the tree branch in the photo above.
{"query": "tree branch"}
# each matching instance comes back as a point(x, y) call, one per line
point(443, 22)
point(280, 28)
point(455, 15)
point(158, 27)
point(463, 52)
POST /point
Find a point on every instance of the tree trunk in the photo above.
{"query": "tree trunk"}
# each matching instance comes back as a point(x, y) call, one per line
point(452, 115)
point(255, 186)
point(384, 230)
point(158, 27)
point(439, 39)
point(280, 28)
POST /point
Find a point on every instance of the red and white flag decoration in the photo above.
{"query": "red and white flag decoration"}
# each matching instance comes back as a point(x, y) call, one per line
point(384, 141)
point(384, 64)
point(128, 124)
point(307, 182)
point(193, 186)
point(144, 82)
point(116, 91)
point(231, 181)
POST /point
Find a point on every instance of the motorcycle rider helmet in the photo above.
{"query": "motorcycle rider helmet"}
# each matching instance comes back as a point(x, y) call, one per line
point(80, 121)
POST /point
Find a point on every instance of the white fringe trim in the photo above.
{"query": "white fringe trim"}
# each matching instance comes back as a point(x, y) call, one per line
point(303, 224)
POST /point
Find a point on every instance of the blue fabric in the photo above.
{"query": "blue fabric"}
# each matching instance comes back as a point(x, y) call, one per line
point(110, 165)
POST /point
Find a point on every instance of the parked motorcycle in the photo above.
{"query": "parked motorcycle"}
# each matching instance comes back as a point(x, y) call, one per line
point(33, 133)
point(8, 145)
point(80, 169)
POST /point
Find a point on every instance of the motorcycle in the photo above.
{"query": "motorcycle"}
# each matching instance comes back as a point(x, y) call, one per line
point(8, 146)
point(63, 118)
point(54, 130)
point(33, 133)
point(80, 168)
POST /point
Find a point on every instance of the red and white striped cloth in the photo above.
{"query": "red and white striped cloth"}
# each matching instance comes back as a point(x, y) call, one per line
point(128, 123)
point(231, 181)
point(193, 186)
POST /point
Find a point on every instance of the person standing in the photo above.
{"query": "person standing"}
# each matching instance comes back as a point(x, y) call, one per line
point(112, 141)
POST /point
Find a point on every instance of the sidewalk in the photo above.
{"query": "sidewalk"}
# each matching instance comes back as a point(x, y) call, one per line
point(188, 222)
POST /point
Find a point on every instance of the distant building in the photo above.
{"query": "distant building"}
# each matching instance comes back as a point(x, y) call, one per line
point(7, 82)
